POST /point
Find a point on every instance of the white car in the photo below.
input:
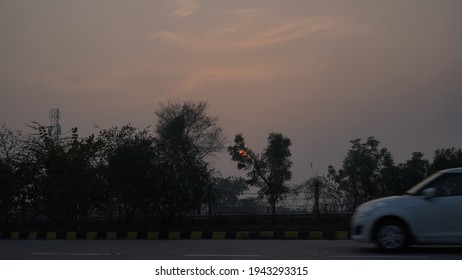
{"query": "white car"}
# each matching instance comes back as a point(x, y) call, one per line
point(429, 213)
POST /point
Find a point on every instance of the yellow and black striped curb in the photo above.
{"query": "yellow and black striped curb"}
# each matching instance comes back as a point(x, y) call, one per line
point(172, 235)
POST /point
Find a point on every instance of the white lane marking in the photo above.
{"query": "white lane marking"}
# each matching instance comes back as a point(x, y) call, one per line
point(86, 254)
point(210, 255)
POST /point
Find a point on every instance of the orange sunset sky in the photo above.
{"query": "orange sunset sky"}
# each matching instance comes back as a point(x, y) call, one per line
point(322, 72)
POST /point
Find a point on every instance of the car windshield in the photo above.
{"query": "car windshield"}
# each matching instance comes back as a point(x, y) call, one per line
point(416, 189)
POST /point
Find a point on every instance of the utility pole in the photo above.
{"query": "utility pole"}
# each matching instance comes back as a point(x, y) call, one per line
point(55, 128)
point(317, 184)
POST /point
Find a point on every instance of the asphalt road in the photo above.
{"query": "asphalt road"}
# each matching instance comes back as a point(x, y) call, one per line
point(213, 249)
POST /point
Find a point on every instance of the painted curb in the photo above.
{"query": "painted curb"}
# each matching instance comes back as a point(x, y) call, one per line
point(176, 235)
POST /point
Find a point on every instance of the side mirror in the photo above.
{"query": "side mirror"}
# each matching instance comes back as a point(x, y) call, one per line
point(429, 193)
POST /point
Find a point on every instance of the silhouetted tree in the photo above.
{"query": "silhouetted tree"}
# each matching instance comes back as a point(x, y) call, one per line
point(270, 171)
point(11, 145)
point(226, 192)
point(128, 167)
point(411, 172)
point(321, 194)
point(187, 124)
point(181, 182)
point(367, 171)
point(186, 137)
point(60, 177)
point(446, 158)
point(9, 190)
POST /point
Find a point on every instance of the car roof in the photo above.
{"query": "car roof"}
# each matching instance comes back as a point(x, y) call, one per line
point(452, 170)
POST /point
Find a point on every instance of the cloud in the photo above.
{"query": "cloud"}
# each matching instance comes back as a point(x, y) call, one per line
point(250, 29)
point(185, 8)
point(199, 76)
point(245, 30)
point(196, 78)
point(139, 80)
point(288, 31)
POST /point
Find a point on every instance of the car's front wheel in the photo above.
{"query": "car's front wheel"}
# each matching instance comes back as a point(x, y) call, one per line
point(391, 236)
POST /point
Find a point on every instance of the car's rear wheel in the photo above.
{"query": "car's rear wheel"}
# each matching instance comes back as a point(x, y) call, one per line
point(391, 236)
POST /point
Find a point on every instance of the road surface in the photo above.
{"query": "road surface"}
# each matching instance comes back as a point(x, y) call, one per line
point(213, 249)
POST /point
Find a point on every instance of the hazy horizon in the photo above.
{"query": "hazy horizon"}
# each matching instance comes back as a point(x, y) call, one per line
point(320, 72)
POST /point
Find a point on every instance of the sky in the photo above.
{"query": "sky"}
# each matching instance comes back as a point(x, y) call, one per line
point(321, 72)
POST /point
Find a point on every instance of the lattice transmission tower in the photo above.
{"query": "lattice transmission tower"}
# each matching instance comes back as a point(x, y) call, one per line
point(55, 129)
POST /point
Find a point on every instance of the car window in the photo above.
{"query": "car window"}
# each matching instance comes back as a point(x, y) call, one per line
point(449, 184)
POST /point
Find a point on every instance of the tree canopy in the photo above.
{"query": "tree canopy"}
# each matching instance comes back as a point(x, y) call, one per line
point(166, 172)
point(269, 171)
